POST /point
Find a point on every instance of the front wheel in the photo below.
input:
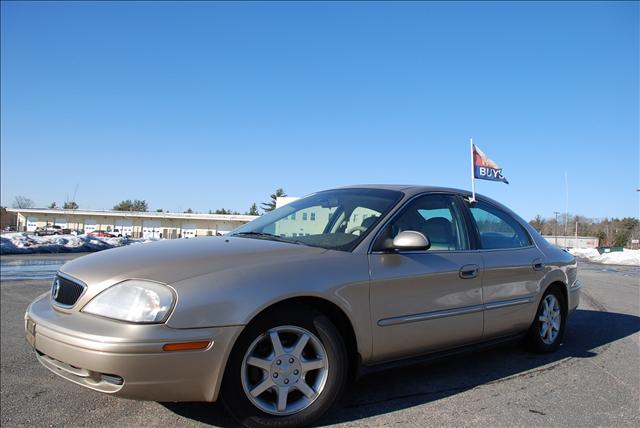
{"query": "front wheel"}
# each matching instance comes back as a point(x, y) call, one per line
point(287, 369)
point(547, 329)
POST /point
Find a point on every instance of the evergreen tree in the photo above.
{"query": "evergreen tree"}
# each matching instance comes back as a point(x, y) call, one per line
point(129, 205)
point(271, 205)
point(253, 210)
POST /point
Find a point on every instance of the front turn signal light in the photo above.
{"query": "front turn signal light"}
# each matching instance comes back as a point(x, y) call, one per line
point(186, 346)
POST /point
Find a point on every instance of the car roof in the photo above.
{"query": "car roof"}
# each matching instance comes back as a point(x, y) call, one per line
point(409, 189)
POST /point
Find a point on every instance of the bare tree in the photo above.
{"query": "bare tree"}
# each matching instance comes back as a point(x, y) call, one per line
point(609, 231)
point(538, 223)
point(23, 202)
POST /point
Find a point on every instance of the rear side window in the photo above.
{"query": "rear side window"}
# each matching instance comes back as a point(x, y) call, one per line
point(497, 229)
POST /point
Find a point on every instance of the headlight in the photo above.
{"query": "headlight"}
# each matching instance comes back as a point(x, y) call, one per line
point(133, 300)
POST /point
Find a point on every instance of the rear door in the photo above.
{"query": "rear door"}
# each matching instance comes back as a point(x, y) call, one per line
point(423, 301)
point(513, 268)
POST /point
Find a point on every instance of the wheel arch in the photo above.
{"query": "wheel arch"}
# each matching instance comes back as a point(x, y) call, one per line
point(334, 312)
point(564, 289)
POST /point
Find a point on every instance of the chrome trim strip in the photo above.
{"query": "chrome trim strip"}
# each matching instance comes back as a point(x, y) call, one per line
point(429, 315)
point(506, 303)
point(405, 319)
point(577, 285)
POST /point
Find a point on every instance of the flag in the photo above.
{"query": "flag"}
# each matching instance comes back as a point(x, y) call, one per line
point(484, 168)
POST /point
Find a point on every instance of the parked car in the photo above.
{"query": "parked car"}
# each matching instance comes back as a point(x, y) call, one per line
point(102, 234)
point(275, 317)
point(51, 230)
point(10, 228)
point(120, 233)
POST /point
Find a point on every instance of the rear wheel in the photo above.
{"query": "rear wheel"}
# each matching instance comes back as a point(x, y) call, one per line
point(287, 369)
point(547, 329)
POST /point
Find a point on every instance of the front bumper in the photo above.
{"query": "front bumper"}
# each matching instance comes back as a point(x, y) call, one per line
point(127, 359)
point(574, 295)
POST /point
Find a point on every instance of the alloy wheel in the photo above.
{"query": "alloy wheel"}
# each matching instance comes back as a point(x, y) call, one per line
point(550, 318)
point(284, 370)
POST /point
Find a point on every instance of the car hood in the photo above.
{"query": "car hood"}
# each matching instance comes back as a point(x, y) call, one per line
point(175, 260)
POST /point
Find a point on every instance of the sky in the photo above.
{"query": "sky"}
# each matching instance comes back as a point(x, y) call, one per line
point(210, 105)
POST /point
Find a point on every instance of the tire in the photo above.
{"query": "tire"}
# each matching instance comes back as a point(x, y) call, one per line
point(324, 346)
point(552, 307)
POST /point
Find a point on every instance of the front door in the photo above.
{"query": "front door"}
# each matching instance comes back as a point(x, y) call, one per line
point(423, 301)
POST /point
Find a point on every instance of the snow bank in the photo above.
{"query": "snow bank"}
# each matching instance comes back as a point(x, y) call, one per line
point(626, 257)
point(22, 243)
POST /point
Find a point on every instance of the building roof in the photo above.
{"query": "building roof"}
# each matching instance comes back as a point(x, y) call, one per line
point(137, 214)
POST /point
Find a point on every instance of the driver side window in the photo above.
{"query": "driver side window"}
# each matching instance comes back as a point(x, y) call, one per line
point(438, 218)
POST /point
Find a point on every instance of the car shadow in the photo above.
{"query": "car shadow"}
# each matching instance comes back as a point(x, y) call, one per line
point(588, 334)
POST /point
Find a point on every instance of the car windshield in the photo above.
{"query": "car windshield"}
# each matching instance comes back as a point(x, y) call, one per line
point(333, 219)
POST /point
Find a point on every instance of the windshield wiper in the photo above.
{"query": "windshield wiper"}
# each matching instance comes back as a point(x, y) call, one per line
point(252, 233)
point(270, 236)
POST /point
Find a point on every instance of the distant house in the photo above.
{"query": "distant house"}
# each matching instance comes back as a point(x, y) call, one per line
point(7, 218)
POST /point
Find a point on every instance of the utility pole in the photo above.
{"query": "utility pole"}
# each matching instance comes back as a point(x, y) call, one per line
point(556, 226)
point(566, 206)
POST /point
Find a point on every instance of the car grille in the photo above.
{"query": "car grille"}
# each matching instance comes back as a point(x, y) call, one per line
point(66, 292)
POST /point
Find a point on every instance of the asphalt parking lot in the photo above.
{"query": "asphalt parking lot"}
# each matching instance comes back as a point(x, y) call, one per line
point(593, 380)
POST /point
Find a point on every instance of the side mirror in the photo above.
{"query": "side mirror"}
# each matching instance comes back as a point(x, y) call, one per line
point(411, 240)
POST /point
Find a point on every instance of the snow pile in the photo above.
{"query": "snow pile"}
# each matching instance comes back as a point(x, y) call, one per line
point(22, 243)
point(626, 257)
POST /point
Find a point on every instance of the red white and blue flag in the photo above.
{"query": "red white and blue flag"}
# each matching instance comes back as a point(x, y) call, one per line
point(484, 168)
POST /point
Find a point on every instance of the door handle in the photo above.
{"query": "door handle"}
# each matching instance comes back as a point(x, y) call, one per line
point(537, 264)
point(469, 271)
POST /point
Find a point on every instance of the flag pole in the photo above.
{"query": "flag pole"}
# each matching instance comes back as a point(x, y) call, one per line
point(473, 183)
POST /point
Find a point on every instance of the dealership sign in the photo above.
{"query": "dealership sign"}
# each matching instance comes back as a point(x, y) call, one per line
point(484, 168)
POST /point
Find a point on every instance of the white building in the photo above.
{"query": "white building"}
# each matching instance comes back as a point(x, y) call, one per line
point(130, 223)
point(573, 241)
